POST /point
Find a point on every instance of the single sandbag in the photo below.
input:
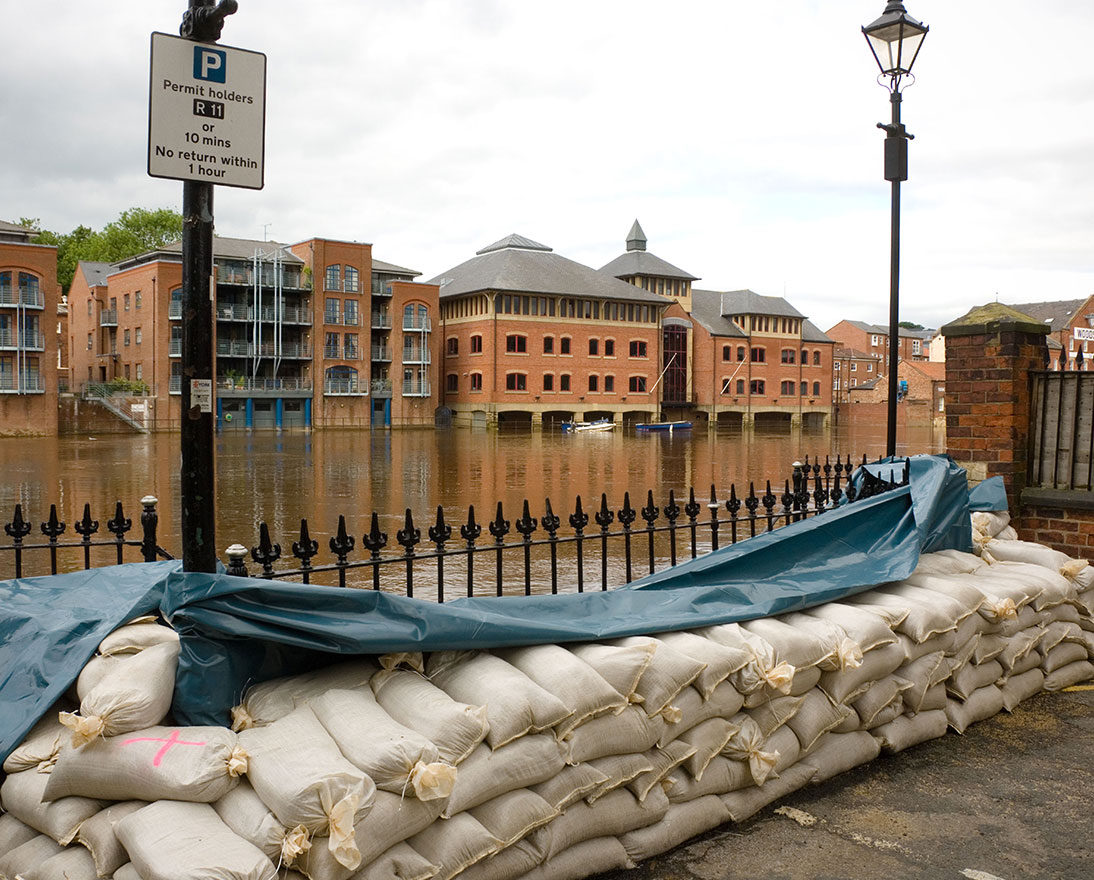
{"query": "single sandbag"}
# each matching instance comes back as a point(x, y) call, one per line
point(1066, 676)
point(775, 713)
point(300, 774)
point(981, 704)
point(595, 856)
point(243, 811)
point(721, 776)
point(632, 730)
point(38, 750)
point(839, 752)
point(680, 823)
point(746, 802)
point(514, 815)
point(881, 694)
point(391, 820)
point(720, 661)
point(785, 747)
point(515, 705)
point(663, 761)
point(614, 814)
point(72, 863)
point(28, 855)
point(749, 744)
point(411, 699)
point(397, 758)
point(1022, 687)
point(621, 667)
point(801, 648)
point(22, 795)
point(98, 835)
point(568, 677)
point(668, 673)
point(513, 861)
point(14, 833)
point(95, 670)
point(842, 687)
point(846, 652)
point(173, 840)
point(400, 862)
point(909, 730)
point(134, 695)
point(488, 773)
point(620, 770)
point(455, 844)
point(136, 637)
point(765, 673)
point(866, 628)
point(178, 763)
point(692, 709)
point(270, 700)
point(947, 562)
point(570, 785)
point(815, 716)
point(708, 740)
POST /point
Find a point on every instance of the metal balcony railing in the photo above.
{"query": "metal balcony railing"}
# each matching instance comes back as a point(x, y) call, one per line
point(174, 310)
point(25, 383)
point(11, 296)
point(381, 353)
point(416, 354)
point(26, 340)
point(260, 383)
point(416, 388)
point(331, 351)
point(417, 323)
point(108, 318)
point(381, 387)
point(174, 348)
point(381, 320)
point(344, 386)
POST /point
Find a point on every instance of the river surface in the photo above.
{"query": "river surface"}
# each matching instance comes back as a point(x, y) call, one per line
point(282, 478)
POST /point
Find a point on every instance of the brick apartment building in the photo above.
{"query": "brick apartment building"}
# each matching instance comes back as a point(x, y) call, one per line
point(921, 386)
point(759, 360)
point(851, 369)
point(1062, 317)
point(29, 307)
point(874, 340)
point(304, 335)
point(532, 337)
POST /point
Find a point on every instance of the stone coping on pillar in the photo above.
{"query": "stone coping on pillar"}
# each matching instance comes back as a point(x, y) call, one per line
point(993, 318)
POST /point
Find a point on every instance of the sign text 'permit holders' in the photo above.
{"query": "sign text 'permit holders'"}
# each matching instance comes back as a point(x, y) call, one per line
point(206, 113)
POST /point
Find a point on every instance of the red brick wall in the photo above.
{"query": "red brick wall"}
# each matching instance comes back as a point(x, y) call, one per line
point(1068, 530)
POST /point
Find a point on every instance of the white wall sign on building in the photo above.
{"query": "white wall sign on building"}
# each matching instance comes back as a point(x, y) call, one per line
point(1083, 334)
point(206, 112)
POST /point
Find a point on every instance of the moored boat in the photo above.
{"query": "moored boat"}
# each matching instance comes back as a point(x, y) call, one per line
point(668, 427)
point(583, 427)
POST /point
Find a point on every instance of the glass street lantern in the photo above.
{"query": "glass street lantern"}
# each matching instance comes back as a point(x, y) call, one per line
point(895, 38)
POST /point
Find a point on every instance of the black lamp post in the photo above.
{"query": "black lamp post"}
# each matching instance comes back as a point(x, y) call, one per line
point(894, 39)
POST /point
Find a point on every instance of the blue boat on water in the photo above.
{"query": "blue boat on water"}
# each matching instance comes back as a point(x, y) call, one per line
point(667, 427)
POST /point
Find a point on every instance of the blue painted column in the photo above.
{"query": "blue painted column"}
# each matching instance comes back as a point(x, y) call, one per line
point(250, 419)
point(279, 412)
point(387, 413)
point(307, 412)
point(220, 412)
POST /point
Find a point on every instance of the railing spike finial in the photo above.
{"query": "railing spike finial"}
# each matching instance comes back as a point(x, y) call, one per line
point(440, 532)
point(526, 525)
point(627, 514)
point(550, 520)
point(604, 516)
point(499, 528)
point(119, 525)
point(341, 545)
point(579, 518)
point(267, 552)
point(18, 528)
point(471, 530)
point(54, 528)
point(409, 536)
point(672, 509)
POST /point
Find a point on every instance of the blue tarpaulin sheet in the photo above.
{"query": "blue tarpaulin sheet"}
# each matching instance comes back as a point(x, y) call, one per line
point(237, 631)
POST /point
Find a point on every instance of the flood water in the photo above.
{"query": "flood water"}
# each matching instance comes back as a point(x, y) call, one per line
point(282, 478)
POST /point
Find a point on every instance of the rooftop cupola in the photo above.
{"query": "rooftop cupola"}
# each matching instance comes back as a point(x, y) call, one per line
point(636, 238)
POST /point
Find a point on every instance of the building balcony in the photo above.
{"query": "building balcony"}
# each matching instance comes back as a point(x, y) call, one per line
point(230, 348)
point(416, 354)
point(332, 318)
point(259, 383)
point(290, 281)
point(174, 348)
point(351, 320)
point(381, 289)
point(11, 296)
point(27, 340)
point(381, 353)
point(239, 312)
point(417, 388)
point(351, 353)
point(24, 383)
point(381, 321)
point(381, 387)
point(174, 385)
point(108, 318)
point(174, 310)
point(417, 323)
point(344, 386)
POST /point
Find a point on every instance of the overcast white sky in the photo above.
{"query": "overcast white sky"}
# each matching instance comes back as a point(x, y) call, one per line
point(741, 134)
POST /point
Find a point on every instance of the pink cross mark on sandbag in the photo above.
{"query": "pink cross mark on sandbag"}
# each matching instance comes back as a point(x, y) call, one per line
point(172, 740)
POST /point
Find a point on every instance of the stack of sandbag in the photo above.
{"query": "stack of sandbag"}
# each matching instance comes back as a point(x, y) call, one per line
point(545, 762)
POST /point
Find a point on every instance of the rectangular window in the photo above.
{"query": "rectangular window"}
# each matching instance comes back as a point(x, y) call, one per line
point(637, 384)
point(334, 278)
point(787, 355)
point(609, 348)
point(351, 279)
point(476, 381)
point(756, 386)
point(452, 382)
point(637, 348)
point(140, 372)
point(854, 367)
point(564, 382)
point(759, 355)
point(90, 306)
point(350, 313)
point(548, 345)
point(89, 344)
point(594, 348)
point(727, 353)
point(869, 368)
point(125, 302)
point(609, 384)
point(350, 341)
point(564, 345)
point(805, 389)
point(816, 389)
point(125, 338)
point(515, 343)
point(515, 382)
point(786, 389)
point(453, 346)
point(137, 336)
point(874, 340)
point(740, 386)
point(593, 383)
point(137, 300)
point(127, 371)
point(476, 344)
point(332, 311)
point(548, 382)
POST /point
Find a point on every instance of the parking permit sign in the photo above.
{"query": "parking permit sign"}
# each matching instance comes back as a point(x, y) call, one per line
point(206, 113)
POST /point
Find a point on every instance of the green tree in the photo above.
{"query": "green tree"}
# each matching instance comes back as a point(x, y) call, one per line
point(910, 325)
point(136, 231)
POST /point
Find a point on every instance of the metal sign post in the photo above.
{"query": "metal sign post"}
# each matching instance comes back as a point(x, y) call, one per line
point(206, 125)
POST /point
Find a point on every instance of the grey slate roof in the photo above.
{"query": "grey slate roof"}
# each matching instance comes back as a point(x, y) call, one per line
point(812, 333)
point(15, 232)
point(709, 308)
point(95, 273)
point(518, 264)
point(637, 261)
point(241, 249)
point(1057, 313)
point(706, 309)
point(884, 331)
point(747, 302)
point(392, 269)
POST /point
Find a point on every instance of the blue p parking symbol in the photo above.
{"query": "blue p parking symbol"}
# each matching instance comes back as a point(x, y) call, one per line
point(210, 65)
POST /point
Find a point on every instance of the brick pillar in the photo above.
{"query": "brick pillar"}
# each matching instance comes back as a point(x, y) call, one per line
point(989, 355)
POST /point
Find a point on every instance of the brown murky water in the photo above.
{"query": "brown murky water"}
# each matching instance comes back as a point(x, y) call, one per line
point(282, 478)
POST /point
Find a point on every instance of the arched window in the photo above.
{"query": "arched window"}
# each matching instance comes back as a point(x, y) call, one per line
point(340, 380)
point(351, 280)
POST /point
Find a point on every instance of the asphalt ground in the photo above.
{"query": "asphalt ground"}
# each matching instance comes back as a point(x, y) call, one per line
point(1011, 799)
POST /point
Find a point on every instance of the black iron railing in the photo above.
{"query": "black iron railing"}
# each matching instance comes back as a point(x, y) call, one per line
point(582, 550)
point(19, 530)
point(614, 538)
